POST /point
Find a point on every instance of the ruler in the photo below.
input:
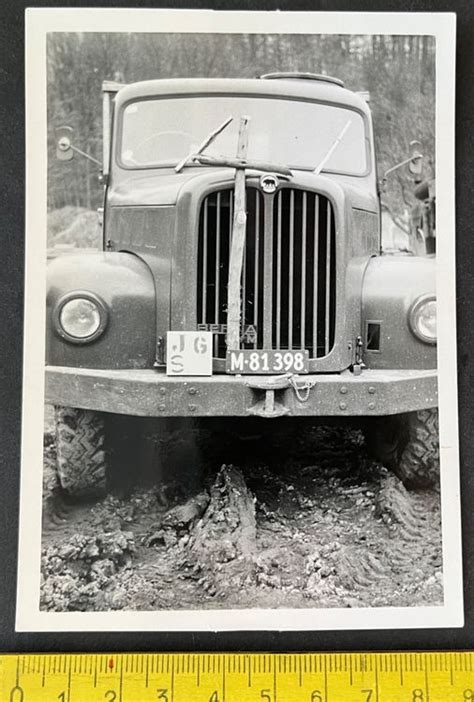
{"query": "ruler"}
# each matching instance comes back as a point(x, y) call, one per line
point(229, 677)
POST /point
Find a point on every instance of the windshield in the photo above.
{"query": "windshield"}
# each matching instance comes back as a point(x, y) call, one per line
point(161, 132)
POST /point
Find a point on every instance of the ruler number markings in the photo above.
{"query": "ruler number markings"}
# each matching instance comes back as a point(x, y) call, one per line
point(60, 674)
point(14, 697)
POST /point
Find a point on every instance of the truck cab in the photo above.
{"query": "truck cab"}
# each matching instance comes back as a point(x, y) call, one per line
point(245, 212)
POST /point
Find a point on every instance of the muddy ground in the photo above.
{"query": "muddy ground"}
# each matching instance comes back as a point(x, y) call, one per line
point(315, 524)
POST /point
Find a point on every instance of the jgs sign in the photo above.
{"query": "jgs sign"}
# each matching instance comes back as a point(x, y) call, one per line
point(189, 353)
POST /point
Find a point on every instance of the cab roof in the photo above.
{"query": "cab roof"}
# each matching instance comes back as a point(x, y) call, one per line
point(306, 87)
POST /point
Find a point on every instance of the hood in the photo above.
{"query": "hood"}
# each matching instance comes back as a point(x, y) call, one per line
point(153, 187)
point(161, 187)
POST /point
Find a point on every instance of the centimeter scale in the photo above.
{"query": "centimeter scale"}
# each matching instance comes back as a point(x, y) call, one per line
point(229, 677)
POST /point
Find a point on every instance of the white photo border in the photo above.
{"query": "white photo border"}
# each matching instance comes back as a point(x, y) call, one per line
point(40, 22)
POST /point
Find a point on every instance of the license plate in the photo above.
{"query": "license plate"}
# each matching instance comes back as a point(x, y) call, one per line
point(264, 362)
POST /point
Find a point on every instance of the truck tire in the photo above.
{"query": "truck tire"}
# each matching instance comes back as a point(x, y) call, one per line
point(81, 457)
point(408, 444)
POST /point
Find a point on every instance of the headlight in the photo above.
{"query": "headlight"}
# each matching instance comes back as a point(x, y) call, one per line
point(80, 317)
point(422, 319)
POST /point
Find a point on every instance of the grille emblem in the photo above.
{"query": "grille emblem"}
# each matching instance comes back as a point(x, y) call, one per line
point(269, 183)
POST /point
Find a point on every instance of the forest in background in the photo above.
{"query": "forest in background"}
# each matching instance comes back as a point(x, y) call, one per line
point(397, 71)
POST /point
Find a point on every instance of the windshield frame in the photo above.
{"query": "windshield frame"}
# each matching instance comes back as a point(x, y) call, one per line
point(268, 96)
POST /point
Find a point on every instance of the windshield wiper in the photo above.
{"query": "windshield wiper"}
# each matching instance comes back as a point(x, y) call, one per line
point(197, 157)
point(207, 142)
point(332, 148)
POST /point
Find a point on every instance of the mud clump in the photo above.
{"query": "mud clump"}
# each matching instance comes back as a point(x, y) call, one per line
point(76, 573)
point(222, 544)
point(178, 520)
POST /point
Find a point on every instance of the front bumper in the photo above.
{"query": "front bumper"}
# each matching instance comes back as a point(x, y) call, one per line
point(151, 393)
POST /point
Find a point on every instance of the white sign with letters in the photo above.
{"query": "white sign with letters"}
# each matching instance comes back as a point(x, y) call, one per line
point(189, 353)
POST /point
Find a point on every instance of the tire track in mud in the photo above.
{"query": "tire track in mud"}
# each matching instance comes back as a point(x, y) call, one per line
point(412, 538)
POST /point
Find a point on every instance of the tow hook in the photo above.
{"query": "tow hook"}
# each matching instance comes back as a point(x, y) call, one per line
point(269, 406)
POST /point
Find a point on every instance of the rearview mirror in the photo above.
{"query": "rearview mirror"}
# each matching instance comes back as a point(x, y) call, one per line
point(415, 165)
point(64, 150)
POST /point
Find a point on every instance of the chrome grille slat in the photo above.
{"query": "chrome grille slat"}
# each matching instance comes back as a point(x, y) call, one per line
point(244, 284)
point(278, 274)
point(268, 274)
point(290, 269)
point(315, 272)
point(256, 260)
point(218, 257)
point(288, 279)
point(204, 274)
point(303, 272)
point(328, 277)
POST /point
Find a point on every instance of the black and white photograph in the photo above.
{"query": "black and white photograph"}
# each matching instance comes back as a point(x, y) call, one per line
point(240, 359)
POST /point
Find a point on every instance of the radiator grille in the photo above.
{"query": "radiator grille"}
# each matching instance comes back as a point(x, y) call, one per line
point(289, 272)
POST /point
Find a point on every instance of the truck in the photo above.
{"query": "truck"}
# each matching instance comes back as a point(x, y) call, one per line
point(241, 276)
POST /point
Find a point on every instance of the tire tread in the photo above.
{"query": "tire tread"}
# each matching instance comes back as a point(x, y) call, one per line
point(418, 465)
point(81, 456)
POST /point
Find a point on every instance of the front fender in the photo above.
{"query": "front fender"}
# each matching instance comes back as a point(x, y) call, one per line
point(125, 284)
point(391, 285)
